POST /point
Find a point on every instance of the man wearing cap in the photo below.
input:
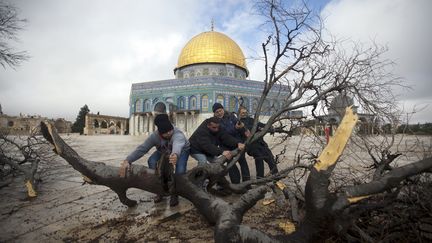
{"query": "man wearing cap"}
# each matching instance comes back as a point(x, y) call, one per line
point(166, 138)
point(230, 124)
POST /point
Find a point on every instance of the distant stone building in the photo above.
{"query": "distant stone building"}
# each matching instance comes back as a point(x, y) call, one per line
point(26, 125)
point(62, 125)
point(211, 68)
point(336, 111)
point(103, 124)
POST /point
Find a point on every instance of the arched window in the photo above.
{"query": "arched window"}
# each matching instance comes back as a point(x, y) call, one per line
point(96, 123)
point(147, 105)
point(169, 100)
point(160, 107)
point(118, 124)
point(181, 103)
point(204, 103)
point(232, 104)
point(192, 103)
point(220, 99)
point(138, 105)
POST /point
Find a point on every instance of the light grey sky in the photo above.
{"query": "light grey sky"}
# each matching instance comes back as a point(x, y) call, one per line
point(90, 52)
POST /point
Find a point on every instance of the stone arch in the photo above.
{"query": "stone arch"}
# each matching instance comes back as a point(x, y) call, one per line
point(364, 127)
point(104, 124)
point(10, 123)
point(160, 107)
point(95, 123)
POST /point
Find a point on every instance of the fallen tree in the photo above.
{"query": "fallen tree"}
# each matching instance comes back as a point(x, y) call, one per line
point(328, 213)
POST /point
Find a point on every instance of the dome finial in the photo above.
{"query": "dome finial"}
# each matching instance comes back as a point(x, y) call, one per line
point(212, 24)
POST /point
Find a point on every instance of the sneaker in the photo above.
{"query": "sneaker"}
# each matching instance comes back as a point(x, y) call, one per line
point(174, 201)
point(158, 199)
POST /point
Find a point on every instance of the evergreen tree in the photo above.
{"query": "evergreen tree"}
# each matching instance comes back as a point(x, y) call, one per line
point(79, 123)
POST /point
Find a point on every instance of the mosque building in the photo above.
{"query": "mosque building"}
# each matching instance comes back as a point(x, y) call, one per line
point(211, 68)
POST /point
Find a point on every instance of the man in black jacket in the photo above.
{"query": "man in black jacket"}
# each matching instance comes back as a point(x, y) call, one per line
point(258, 149)
point(209, 141)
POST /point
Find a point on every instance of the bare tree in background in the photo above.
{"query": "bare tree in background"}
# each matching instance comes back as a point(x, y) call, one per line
point(296, 57)
point(23, 155)
point(10, 25)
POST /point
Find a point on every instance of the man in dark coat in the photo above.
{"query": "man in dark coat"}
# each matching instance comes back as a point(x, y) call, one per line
point(258, 149)
point(232, 126)
point(209, 141)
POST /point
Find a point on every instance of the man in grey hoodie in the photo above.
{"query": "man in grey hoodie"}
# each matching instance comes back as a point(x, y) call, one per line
point(166, 139)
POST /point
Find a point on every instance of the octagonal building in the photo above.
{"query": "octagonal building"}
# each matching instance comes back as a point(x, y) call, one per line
point(211, 68)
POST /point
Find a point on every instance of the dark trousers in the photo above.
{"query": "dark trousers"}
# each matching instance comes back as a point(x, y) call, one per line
point(263, 153)
point(234, 173)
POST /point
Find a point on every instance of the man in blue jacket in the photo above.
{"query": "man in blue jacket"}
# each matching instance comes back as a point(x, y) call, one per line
point(231, 125)
point(166, 138)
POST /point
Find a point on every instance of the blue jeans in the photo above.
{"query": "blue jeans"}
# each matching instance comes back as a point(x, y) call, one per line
point(202, 158)
point(180, 165)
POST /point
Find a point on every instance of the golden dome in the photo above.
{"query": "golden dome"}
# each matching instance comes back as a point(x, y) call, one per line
point(211, 47)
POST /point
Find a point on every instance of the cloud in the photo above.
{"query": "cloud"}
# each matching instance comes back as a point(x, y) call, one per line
point(90, 52)
point(403, 27)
